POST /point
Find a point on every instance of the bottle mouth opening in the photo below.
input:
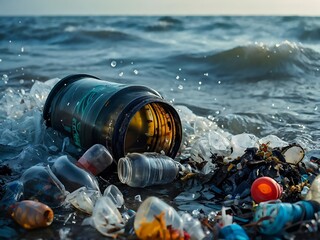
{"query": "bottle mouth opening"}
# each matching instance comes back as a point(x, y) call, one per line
point(153, 128)
point(124, 170)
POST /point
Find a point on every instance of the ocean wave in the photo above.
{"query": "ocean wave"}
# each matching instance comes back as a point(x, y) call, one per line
point(165, 24)
point(259, 61)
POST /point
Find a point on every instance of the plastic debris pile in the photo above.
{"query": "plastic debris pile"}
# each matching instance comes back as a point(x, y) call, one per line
point(227, 187)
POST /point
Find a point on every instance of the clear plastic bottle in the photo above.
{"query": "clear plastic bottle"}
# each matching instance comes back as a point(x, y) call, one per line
point(151, 208)
point(141, 170)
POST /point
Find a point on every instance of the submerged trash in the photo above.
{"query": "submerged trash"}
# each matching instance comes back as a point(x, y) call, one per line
point(141, 170)
point(121, 117)
point(31, 214)
point(157, 220)
point(96, 159)
point(265, 189)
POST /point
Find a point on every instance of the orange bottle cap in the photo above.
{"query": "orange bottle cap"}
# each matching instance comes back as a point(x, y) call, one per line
point(265, 189)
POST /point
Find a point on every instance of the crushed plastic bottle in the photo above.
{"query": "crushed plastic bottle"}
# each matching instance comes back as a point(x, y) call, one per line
point(96, 159)
point(115, 195)
point(32, 214)
point(153, 218)
point(106, 218)
point(72, 176)
point(141, 170)
point(83, 199)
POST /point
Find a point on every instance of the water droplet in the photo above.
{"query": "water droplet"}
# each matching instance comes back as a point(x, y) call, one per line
point(288, 107)
point(316, 108)
point(200, 82)
point(179, 69)
point(219, 82)
point(171, 89)
point(0, 60)
point(136, 72)
point(10, 41)
point(113, 64)
point(22, 49)
point(5, 78)
point(121, 74)
point(180, 87)
point(272, 104)
point(21, 81)
point(199, 88)
point(177, 77)
point(218, 112)
point(131, 63)
point(68, 103)
point(206, 74)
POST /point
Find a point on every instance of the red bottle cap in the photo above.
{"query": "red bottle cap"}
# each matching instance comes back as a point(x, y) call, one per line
point(265, 189)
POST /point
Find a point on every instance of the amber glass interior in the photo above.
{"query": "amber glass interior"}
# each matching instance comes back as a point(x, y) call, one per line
point(151, 129)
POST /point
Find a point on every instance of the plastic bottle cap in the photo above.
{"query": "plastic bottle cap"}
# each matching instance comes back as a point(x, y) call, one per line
point(265, 189)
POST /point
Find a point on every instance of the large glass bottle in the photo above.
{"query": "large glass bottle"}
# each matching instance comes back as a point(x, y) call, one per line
point(121, 117)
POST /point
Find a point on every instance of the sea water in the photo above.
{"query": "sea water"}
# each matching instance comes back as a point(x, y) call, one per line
point(255, 75)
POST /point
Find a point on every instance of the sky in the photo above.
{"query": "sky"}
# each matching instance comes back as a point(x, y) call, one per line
point(160, 7)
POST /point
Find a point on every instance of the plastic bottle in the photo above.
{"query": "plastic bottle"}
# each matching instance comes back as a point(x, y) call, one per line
point(121, 117)
point(193, 227)
point(72, 176)
point(151, 212)
point(96, 159)
point(41, 184)
point(141, 170)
